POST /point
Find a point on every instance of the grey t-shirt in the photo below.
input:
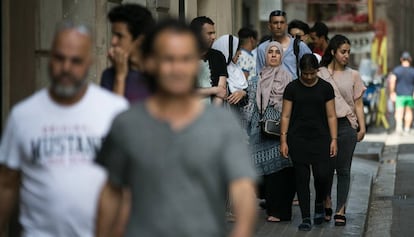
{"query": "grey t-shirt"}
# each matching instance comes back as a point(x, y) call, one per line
point(179, 180)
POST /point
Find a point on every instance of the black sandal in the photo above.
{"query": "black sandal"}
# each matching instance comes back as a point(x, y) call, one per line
point(306, 225)
point(340, 217)
point(328, 214)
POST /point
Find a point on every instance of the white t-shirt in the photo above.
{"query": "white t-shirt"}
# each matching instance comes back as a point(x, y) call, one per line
point(247, 62)
point(54, 147)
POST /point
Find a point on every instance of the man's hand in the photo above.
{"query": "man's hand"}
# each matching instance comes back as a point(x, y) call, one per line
point(109, 205)
point(119, 59)
point(235, 97)
point(393, 96)
point(243, 199)
point(221, 92)
point(284, 149)
point(9, 188)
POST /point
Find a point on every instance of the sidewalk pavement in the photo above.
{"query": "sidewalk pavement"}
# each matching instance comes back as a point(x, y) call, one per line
point(362, 174)
point(392, 207)
point(381, 200)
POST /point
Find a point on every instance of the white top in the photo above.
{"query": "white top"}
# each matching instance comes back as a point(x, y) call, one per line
point(247, 62)
point(236, 79)
point(54, 147)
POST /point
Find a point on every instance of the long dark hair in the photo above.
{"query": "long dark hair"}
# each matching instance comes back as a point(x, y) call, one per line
point(334, 44)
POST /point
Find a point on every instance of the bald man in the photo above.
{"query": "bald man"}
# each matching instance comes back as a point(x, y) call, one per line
point(49, 144)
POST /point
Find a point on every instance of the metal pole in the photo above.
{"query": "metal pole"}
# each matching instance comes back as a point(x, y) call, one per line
point(1, 66)
point(181, 10)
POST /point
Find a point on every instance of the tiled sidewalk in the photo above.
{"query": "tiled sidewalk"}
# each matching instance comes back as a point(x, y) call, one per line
point(362, 174)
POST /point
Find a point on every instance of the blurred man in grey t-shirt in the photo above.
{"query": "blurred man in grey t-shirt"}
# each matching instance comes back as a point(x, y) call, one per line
point(179, 157)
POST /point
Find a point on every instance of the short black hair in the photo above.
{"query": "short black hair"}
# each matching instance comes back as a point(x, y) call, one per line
point(198, 23)
point(277, 13)
point(138, 18)
point(308, 62)
point(246, 32)
point(320, 29)
point(299, 25)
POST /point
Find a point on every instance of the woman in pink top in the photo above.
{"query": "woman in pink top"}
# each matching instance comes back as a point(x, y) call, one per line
point(349, 88)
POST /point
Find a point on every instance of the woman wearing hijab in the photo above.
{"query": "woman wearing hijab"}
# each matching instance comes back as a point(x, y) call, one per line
point(237, 82)
point(266, 96)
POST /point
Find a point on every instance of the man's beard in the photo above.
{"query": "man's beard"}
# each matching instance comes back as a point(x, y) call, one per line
point(64, 91)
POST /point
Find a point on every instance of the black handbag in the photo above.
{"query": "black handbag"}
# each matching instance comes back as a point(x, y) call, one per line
point(269, 127)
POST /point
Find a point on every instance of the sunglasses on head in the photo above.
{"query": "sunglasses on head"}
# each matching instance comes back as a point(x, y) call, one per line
point(278, 13)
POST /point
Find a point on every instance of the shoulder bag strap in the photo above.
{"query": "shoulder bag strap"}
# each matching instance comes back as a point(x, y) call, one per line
point(261, 108)
point(339, 91)
point(296, 51)
point(230, 49)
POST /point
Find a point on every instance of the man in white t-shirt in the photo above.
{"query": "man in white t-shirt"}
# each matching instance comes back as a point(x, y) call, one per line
point(49, 144)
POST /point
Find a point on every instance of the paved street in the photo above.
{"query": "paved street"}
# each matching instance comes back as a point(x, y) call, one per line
point(392, 206)
point(403, 201)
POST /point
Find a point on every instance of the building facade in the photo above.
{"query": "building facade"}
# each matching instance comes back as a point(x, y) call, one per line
point(27, 28)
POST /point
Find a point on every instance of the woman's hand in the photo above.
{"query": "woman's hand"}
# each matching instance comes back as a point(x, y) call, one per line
point(360, 135)
point(333, 148)
point(235, 97)
point(284, 149)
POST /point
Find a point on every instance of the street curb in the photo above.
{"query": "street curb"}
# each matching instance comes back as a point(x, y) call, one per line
point(373, 152)
point(371, 197)
point(380, 209)
point(365, 208)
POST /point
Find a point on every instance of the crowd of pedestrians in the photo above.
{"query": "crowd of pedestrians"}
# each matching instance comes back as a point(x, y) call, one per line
point(177, 134)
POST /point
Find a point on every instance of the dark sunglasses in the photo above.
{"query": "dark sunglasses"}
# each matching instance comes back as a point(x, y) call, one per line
point(278, 13)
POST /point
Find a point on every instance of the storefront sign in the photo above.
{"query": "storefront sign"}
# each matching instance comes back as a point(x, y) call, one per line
point(361, 41)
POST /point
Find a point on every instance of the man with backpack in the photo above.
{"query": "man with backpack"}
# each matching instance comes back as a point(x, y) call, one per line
point(293, 49)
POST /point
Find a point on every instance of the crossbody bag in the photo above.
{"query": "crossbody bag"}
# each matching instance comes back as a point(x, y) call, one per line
point(269, 127)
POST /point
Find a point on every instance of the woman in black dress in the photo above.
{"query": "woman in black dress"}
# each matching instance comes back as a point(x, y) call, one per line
point(308, 136)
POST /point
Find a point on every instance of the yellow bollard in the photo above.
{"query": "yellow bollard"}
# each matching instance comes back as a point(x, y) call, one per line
point(382, 110)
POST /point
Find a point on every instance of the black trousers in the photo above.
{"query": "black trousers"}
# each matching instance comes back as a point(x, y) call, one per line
point(347, 139)
point(322, 173)
point(279, 191)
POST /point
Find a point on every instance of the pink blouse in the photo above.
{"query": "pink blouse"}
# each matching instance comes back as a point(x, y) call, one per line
point(348, 87)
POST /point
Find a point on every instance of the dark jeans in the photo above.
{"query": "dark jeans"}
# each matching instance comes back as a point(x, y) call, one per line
point(347, 139)
point(279, 190)
point(322, 173)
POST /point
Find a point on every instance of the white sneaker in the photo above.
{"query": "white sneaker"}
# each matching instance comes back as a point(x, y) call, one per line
point(406, 132)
